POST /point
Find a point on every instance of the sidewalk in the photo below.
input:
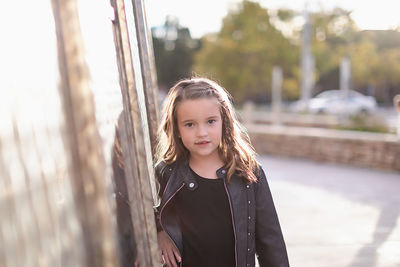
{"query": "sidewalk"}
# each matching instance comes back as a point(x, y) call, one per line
point(334, 215)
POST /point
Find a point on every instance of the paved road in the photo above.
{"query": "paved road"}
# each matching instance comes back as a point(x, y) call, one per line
point(334, 215)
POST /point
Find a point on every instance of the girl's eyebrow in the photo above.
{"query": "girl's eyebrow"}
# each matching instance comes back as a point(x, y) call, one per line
point(208, 118)
point(213, 117)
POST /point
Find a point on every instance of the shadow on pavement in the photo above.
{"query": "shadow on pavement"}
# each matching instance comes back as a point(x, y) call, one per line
point(367, 187)
point(367, 255)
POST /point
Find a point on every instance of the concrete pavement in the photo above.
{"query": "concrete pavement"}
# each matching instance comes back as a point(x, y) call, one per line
point(334, 215)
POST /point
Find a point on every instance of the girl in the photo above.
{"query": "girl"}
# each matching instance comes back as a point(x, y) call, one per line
point(216, 208)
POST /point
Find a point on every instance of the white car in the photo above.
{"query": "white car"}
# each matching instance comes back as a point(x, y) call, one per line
point(336, 102)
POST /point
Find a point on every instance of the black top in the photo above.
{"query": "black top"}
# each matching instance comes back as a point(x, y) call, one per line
point(206, 223)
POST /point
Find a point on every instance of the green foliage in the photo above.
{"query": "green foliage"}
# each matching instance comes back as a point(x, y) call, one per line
point(290, 88)
point(253, 40)
point(241, 56)
point(366, 123)
point(174, 49)
point(374, 55)
point(286, 14)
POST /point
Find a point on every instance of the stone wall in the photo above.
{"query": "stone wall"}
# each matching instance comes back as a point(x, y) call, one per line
point(372, 150)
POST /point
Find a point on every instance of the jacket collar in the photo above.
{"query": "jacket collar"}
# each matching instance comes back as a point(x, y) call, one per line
point(183, 174)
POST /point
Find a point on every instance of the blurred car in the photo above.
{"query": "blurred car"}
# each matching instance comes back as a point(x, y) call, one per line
point(336, 102)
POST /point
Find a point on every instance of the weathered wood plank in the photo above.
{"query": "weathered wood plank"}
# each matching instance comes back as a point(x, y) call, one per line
point(134, 135)
point(87, 164)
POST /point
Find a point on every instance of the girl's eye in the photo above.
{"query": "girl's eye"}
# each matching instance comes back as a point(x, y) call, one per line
point(189, 124)
point(211, 121)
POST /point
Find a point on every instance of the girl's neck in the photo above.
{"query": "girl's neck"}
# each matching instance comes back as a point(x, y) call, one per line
point(206, 167)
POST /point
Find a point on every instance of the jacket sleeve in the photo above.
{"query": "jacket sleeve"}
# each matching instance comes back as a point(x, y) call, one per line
point(270, 245)
point(162, 173)
point(159, 178)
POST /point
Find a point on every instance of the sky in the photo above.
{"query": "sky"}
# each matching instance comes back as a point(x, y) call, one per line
point(205, 16)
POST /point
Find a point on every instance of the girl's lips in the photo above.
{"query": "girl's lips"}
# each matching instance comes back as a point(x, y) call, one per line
point(202, 143)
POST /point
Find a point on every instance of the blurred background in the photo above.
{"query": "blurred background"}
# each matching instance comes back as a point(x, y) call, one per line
point(312, 81)
point(317, 45)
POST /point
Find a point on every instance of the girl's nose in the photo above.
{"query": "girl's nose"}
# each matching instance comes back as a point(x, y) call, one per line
point(202, 131)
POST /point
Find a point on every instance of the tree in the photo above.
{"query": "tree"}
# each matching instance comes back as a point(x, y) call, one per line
point(174, 49)
point(241, 56)
point(374, 55)
point(383, 64)
point(253, 39)
point(333, 31)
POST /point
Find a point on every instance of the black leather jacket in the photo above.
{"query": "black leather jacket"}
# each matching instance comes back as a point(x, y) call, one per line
point(256, 226)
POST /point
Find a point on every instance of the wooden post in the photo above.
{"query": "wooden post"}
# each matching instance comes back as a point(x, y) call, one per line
point(149, 80)
point(148, 68)
point(135, 137)
point(87, 162)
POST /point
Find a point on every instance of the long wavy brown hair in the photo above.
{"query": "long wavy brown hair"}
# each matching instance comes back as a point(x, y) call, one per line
point(235, 148)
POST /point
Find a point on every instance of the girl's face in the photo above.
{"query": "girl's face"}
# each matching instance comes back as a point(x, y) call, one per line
point(200, 126)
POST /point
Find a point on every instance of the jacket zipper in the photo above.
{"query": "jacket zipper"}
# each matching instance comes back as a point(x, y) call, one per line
point(233, 221)
point(161, 223)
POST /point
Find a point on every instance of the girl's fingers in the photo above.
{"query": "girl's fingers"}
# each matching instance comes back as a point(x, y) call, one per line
point(162, 258)
point(166, 258)
point(171, 259)
point(169, 253)
point(177, 255)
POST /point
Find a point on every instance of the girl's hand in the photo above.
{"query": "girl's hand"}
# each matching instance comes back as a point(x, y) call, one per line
point(169, 253)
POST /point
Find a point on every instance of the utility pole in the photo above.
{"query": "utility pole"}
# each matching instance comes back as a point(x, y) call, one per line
point(345, 76)
point(307, 61)
point(276, 94)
